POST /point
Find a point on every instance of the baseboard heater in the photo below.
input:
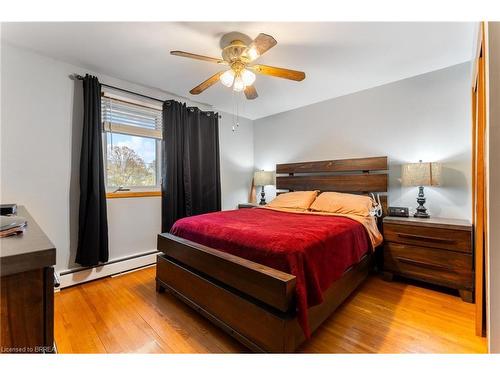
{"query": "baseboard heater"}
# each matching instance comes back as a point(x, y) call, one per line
point(84, 274)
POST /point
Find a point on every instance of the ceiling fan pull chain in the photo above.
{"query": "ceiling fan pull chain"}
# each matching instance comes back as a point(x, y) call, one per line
point(237, 113)
point(234, 120)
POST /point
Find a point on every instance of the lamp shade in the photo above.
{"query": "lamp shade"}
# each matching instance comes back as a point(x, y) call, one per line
point(263, 178)
point(421, 174)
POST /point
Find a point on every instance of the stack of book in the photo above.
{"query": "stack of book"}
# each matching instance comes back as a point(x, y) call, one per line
point(11, 225)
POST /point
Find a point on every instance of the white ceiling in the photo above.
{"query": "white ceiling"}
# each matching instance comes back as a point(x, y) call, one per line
point(339, 58)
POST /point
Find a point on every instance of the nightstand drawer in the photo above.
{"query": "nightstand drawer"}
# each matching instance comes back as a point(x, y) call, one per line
point(450, 239)
point(447, 268)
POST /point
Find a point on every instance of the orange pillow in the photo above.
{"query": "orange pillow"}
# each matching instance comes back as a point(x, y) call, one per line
point(297, 200)
point(348, 204)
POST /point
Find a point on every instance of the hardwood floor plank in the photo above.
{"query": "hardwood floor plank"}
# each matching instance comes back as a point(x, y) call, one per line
point(120, 327)
point(124, 314)
point(172, 320)
point(73, 322)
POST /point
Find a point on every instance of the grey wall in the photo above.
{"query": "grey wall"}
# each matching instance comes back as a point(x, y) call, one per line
point(41, 123)
point(425, 117)
point(493, 35)
point(236, 160)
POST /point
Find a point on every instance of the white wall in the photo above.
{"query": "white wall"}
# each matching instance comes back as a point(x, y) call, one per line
point(425, 117)
point(41, 121)
point(493, 263)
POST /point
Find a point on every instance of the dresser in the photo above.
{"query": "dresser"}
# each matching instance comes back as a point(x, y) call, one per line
point(27, 290)
point(434, 250)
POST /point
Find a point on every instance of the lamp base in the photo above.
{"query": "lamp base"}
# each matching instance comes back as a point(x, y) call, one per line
point(421, 210)
point(423, 215)
point(262, 197)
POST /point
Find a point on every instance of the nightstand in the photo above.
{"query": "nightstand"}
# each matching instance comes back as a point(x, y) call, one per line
point(434, 250)
point(247, 205)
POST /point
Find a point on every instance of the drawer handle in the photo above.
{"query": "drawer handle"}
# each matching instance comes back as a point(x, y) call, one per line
point(424, 264)
point(426, 238)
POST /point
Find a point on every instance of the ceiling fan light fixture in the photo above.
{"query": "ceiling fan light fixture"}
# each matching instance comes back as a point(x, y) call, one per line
point(238, 85)
point(248, 77)
point(227, 78)
point(252, 53)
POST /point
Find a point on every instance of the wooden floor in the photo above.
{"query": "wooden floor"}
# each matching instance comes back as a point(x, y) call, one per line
point(125, 314)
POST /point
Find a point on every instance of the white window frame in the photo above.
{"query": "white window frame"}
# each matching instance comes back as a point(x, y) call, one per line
point(155, 134)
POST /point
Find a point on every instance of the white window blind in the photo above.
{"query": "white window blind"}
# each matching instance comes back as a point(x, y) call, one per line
point(131, 117)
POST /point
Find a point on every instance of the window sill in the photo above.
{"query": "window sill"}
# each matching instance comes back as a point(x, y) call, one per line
point(133, 194)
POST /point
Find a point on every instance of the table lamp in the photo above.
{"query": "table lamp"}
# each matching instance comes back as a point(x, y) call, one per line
point(263, 178)
point(421, 174)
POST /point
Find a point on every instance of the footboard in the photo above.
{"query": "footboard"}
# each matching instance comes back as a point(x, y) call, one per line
point(251, 302)
point(267, 285)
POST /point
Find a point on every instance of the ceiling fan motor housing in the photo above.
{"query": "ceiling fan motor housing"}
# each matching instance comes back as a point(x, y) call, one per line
point(234, 51)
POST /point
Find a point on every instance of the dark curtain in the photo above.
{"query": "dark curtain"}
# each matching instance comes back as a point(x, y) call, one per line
point(190, 160)
point(93, 222)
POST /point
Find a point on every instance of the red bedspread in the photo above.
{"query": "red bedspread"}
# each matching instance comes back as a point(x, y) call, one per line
point(315, 249)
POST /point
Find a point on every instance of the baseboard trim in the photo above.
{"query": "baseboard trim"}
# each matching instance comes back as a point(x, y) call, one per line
point(83, 275)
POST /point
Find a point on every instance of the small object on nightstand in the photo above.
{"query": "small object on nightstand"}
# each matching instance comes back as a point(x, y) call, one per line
point(11, 225)
point(247, 205)
point(438, 251)
point(398, 211)
point(421, 174)
point(263, 178)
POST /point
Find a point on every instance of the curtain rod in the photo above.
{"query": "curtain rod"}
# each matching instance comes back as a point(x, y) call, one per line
point(79, 77)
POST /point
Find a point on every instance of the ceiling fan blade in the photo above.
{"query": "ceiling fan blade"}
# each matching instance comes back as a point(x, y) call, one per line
point(260, 45)
point(197, 57)
point(206, 84)
point(294, 75)
point(250, 92)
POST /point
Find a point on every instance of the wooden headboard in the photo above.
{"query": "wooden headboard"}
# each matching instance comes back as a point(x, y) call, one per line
point(358, 176)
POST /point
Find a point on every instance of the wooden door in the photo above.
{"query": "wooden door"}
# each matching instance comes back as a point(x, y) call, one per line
point(479, 214)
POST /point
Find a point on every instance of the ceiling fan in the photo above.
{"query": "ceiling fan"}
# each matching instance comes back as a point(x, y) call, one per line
point(239, 57)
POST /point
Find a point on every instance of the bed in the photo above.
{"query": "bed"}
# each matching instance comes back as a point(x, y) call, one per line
point(271, 278)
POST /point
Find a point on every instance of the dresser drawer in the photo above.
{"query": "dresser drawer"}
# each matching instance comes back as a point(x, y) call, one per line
point(446, 268)
point(450, 239)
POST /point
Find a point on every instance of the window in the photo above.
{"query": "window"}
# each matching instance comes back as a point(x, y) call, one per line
point(132, 142)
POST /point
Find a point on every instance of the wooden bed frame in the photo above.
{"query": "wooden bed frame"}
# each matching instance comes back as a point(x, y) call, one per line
point(255, 303)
